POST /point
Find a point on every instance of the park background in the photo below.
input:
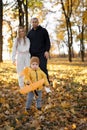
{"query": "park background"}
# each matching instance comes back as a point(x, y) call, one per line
point(65, 108)
point(65, 20)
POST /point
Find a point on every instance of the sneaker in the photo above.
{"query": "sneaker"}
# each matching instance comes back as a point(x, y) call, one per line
point(27, 109)
point(35, 96)
point(39, 108)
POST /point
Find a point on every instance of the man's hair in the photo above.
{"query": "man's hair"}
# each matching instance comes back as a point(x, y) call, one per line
point(35, 18)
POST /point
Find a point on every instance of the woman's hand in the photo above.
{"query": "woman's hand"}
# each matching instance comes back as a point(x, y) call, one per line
point(14, 63)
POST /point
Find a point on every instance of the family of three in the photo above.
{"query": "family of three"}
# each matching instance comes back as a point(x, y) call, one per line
point(30, 54)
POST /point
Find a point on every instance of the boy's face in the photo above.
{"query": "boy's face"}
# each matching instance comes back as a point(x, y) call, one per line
point(34, 65)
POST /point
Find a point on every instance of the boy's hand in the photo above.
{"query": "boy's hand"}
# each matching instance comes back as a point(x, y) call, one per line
point(47, 89)
point(27, 83)
point(14, 63)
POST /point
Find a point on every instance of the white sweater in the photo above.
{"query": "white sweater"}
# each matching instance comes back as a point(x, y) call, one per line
point(20, 47)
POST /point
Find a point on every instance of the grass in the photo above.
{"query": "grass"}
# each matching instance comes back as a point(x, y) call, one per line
point(63, 109)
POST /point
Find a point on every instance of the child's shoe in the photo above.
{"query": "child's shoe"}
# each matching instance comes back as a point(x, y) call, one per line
point(26, 112)
point(39, 108)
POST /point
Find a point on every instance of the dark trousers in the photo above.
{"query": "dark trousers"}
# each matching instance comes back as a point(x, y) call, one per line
point(43, 63)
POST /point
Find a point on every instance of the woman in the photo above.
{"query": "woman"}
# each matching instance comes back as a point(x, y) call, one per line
point(20, 53)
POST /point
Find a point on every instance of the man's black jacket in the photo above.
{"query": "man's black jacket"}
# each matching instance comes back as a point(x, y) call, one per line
point(39, 40)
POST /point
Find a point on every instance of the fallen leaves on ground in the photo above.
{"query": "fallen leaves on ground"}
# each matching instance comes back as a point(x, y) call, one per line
point(65, 108)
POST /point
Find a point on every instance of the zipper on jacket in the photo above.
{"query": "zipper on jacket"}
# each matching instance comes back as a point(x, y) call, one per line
point(36, 80)
point(36, 76)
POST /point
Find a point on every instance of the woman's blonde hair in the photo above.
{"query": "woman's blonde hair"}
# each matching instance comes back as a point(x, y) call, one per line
point(18, 35)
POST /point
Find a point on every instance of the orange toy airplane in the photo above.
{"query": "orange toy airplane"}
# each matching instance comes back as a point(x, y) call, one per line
point(32, 87)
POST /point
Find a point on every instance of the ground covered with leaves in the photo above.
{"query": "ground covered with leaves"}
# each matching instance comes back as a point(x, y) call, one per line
point(65, 108)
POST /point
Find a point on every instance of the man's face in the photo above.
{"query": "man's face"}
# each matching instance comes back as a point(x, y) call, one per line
point(35, 23)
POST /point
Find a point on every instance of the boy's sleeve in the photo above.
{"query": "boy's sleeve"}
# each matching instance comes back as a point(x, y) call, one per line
point(26, 74)
point(45, 78)
point(25, 71)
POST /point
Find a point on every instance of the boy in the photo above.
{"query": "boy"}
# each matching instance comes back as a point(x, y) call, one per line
point(33, 74)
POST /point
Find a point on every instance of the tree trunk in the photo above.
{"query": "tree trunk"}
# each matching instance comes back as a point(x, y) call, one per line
point(1, 38)
point(26, 15)
point(70, 54)
point(69, 33)
point(82, 47)
point(67, 14)
point(21, 13)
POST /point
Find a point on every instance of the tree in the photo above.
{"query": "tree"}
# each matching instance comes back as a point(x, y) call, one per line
point(21, 12)
point(1, 20)
point(82, 25)
point(26, 14)
point(80, 22)
point(67, 10)
point(23, 6)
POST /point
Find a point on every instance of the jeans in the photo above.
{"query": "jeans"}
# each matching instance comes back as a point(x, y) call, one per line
point(30, 98)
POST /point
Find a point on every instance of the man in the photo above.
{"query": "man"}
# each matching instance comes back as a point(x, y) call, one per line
point(40, 44)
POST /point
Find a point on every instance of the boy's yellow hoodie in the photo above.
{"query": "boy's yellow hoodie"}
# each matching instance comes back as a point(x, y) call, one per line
point(32, 76)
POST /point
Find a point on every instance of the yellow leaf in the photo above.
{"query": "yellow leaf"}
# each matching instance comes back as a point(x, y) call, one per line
point(73, 126)
point(8, 128)
point(72, 110)
point(60, 35)
point(2, 100)
point(65, 104)
point(55, 83)
point(84, 17)
point(6, 105)
point(79, 89)
point(35, 123)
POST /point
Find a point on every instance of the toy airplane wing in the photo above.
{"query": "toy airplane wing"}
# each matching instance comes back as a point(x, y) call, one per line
point(31, 87)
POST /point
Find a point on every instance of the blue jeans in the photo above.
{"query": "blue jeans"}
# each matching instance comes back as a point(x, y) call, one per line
point(30, 98)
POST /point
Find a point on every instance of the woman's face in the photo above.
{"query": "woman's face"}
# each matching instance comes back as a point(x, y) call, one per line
point(21, 33)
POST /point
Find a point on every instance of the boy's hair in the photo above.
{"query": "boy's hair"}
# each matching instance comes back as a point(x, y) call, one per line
point(34, 59)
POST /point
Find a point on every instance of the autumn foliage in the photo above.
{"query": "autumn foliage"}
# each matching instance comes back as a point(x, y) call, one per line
point(65, 108)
